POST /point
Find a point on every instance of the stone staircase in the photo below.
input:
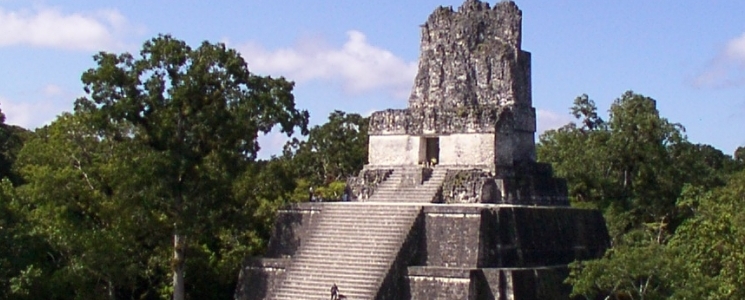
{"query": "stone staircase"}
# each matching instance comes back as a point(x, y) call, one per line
point(354, 245)
point(391, 191)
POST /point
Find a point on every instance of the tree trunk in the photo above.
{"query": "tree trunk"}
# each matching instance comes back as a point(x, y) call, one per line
point(179, 247)
point(110, 287)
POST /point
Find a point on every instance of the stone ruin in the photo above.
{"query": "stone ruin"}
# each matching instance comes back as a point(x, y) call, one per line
point(470, 111)
point(452, 204)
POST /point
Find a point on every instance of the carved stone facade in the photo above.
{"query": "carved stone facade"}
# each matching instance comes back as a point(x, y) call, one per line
point(472, 88)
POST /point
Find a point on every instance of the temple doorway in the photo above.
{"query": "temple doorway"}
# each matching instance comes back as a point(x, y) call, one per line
point(432, 152)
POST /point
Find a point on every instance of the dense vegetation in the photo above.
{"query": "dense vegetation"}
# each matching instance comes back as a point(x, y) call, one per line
point(151, 187)
point(671, 206)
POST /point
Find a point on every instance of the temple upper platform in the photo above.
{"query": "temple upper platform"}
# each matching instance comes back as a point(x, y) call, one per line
point(470, 105)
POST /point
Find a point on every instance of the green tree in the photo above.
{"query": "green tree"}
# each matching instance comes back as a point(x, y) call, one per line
point(634, 168)
point(11, 141)
point(711, 243)
point(624, 167)
point(333, 151)
point(22, 254)
point(84, 201)
point(20, 268)
point(638, 268)
point(740, 154)
point(198, 112)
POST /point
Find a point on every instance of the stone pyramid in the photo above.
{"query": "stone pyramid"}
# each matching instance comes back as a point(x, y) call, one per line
point(452, 204)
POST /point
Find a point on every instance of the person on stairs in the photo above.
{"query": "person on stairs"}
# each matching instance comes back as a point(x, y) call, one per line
point(334, 292)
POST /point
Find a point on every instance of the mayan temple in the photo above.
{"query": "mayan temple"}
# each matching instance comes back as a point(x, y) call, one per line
point(452, 204)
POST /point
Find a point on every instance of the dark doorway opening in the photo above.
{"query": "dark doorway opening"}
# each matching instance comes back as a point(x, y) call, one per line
point(433, 150)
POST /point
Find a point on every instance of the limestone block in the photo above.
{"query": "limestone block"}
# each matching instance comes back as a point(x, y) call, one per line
point(393, 150)
point(467, 149)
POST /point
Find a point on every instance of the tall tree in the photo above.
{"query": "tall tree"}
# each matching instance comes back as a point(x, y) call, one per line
point(634, 167)
point(85, 199)
point(740, 154)
point(196, 110)
point(333, 151)
point(711, 243)
point(625, 167)
point(11, 141)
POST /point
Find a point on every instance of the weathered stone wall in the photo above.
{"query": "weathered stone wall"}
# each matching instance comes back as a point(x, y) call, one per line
point(452, 237)
point(532, 183)
point(512, 236)
point(473, 78)
point(292, 224)
point(363, 186)
point(428, 283)
point(470, 186)
point(434, 283)
point(259, 276)
point(524, 283)
point(392, 150)
point(434, 121)
point(472, 57)
point(503, 252)
point(476, 149)
point(413, 177)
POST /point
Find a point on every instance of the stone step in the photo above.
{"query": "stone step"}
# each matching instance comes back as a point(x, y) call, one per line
point(402, 200)
point(350, 281)
point(357, 209)
point(370, 237)
point(405, 193)
point(361, 248)
point(319, 294)
point(369, 226)
point(316, 269)
point(362, 226)
point(323, 293)
point(365, 249)
point(366, 227)
point(353, 280)
point(342, 262)
point(319, 268)
point(340, 244)
point(347, 289)
point(361, 229)
point(403, 197)
point(346, 254)
point(361, 233)
point(311, 273)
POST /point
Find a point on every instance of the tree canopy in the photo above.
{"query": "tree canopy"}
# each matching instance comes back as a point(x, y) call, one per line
point(646, 177)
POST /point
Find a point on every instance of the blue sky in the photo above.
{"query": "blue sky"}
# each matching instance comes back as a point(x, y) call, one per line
point(361, 56)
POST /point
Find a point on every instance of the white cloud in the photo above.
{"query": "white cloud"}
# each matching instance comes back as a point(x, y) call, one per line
point(49, 27)
point(727, 68)
point(30, 114)
point(736, 49)
point(550, 120)
point(358, 66)
point(51, 90)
